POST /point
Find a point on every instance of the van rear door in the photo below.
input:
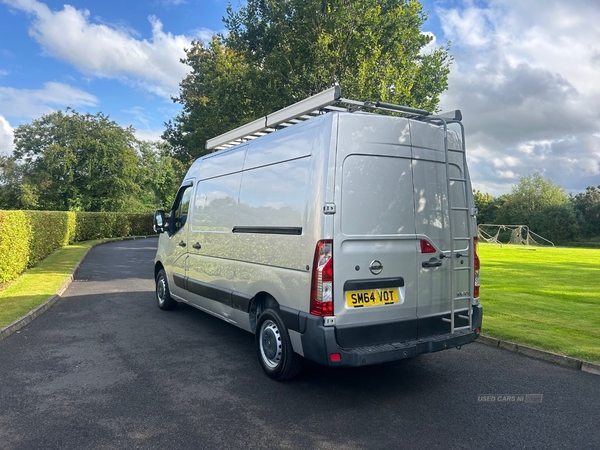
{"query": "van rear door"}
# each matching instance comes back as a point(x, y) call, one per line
point(393, 208)
point(375, 252)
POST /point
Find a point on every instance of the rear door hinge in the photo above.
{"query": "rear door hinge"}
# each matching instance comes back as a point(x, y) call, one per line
point(329, 208)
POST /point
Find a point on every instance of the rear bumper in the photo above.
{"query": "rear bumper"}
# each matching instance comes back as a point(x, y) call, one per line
point(318, 342)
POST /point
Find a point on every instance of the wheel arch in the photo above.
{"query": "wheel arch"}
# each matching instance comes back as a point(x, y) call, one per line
point(158, 266)
point(261, 301)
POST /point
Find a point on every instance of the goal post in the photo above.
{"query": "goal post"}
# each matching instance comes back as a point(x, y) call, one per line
point(510, 234)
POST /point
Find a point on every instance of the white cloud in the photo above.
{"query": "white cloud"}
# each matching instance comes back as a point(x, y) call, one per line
point(32, 103)
point(99, 50)
point(6, 137)
point(149, 134)
point(432, 44)
point(469, 26)
point(526, 78)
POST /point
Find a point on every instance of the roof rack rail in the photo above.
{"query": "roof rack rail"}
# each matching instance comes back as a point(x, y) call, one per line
point(323, 102)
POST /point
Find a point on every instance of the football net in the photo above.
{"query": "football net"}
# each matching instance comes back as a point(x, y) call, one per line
point(510, 234)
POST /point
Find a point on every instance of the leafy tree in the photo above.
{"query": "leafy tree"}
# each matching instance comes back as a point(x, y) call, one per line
point(543, 206)
point(529, 197)
point(587, 205)
point(72, 161)
point(220, 92)
point(557, 222)
point(161, 175)
point(11, 189)
point(280, 51)
point(487, 206)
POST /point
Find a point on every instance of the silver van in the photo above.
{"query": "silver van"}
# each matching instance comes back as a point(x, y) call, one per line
point(335, 230)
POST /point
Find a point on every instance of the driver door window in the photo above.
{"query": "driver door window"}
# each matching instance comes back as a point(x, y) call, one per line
point(182, 208)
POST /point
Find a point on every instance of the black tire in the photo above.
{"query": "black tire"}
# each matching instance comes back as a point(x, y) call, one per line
point(163, 295)
point(274, 348)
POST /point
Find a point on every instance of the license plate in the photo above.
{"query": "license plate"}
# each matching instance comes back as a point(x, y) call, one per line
point(372, 297)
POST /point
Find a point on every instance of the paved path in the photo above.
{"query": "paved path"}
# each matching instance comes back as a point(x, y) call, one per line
point(104, 368)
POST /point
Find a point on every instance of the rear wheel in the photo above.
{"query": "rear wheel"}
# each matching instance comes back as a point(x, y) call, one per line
point(163, 296)
point(275, 352)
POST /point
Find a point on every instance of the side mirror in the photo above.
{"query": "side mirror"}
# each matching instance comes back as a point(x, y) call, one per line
point(161, 224)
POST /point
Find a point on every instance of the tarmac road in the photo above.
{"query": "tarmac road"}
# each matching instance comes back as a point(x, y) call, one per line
point(104, 368)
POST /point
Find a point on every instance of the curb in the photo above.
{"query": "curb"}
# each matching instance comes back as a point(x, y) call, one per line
point(555, 358)
point(39, 310)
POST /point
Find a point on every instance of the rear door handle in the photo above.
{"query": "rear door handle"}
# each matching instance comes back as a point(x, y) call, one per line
point(181, 244)
point(197, 246)
point(433, 262)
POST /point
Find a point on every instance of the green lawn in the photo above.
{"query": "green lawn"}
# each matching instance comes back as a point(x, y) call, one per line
point(37, 285)
point(544, 297)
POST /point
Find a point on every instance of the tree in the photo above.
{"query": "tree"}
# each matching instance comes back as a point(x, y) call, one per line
point(557, 223)
point(529, 197)
point(161, 175)
point(587, 205)
point(280, 51)
point(543, 206)
point(218, 94)
point(487, 206)
point(72, 161)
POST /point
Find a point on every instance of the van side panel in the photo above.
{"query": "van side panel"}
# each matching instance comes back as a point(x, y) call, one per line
point(280, 215)
point(269, 245)
point(209, 275)
point(221, 163)
point(214, 209)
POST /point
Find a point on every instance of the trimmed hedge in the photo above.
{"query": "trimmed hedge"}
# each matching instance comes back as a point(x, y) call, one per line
point(96, 225)
point(27, 237)
point(15, 233)
point(49, 230)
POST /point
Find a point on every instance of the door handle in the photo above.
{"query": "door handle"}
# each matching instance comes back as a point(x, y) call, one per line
point(433, 262)
point(181, 244)
point(197, 246)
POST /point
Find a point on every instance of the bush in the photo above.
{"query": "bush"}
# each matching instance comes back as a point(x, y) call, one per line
point(558, 223)
point(98, 225)
point(15, 235)
point(49, 231)
point(27, 237)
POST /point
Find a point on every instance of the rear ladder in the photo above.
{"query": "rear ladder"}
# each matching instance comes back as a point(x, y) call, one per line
point(454, 255)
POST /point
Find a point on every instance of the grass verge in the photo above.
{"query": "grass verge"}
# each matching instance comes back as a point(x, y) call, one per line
point(543, 297)
point(38, 284)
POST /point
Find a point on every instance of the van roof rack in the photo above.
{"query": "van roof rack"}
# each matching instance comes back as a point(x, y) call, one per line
point(323, 102)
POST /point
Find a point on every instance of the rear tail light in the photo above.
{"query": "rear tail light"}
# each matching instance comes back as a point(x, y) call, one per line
point(476, 267)
point(426, 247)
point(321, 292)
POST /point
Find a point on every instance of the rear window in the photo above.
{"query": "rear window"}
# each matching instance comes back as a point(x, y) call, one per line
point(377, 196)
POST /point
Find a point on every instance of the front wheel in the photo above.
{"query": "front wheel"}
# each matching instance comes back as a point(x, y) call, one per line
point(275, 352)
point(163, 296)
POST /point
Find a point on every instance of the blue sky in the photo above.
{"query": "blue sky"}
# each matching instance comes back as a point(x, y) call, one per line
point(525, 74)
